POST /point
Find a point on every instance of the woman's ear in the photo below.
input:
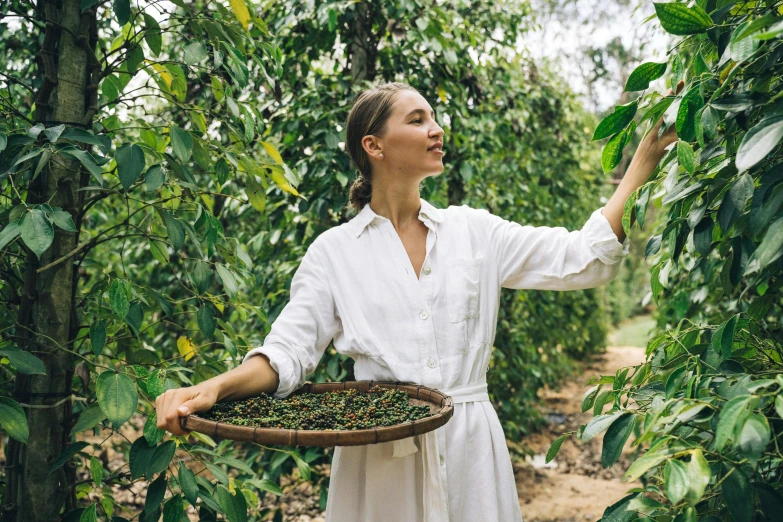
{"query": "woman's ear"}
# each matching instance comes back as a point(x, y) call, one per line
point(371, 145)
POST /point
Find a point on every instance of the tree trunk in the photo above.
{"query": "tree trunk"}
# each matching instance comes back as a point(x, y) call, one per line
point(47, 316)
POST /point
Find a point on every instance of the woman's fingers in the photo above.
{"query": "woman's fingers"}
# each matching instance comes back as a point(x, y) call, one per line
point(172, 405)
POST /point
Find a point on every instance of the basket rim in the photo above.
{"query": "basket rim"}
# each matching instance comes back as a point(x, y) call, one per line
point(328, 438)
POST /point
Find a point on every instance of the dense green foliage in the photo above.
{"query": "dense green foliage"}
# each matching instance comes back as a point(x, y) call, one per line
point(213, 159)
point(706, 406)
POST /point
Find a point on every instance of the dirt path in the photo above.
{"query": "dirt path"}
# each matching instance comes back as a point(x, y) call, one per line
point(573, 487)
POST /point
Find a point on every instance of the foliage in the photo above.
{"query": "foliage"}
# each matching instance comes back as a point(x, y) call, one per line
point(706, 406)
point(214, 158)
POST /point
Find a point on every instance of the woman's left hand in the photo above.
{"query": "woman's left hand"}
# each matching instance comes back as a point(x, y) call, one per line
point(658, 146)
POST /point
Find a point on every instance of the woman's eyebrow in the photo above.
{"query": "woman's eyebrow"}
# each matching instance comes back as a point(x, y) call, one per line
point(420, 111)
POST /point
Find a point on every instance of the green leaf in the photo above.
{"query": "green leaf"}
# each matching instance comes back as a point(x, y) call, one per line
point(589, 398)
point(96, 470)
point(181, 143)
point(702, 236)
point(66, 455)
point(195, 53)
point(173, 510)
point(685, 156)
point(152, 34)
point(255, 193)
point(13, 419)
point(63, 220)
point(130, 163)
point(615, 439)
point(45, 157)
point(206, 320)
point(119, 297)
point(737, 494)
point(555, 447)
point(139, 457)
point(187, 481)
point(154, 178)
point(628, 208)
point(87, 161)
point(161, 458)
point(152, 433)
point(155, 383)
point(90, 514)
point(53, 133)
point(769, 249)
point(9, 233)
point(36, 231)
point(759, 141)
point(86, 4)
point(735, 201)
point(155, 493)
point(88, 418)
point(729, 414)
point(613, 151)
point(176, 231)
point(699, 475)
point(23, 361)
point(217, 472)
point(675, 475)
point(117, 396)
point(754, 437)
point(264, 485)
point(643, 464)
point(779, 405)
point(122, 11)
point(687, 111)
point(229, 282)
point(599, 424)
point(723, 338)
point(98, 336)
point(134, 317)
point(681, 20)
point(645, 73)
point(615, 122)
point(201, 277)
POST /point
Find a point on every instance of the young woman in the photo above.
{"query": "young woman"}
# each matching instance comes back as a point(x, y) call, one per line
point(411, 293)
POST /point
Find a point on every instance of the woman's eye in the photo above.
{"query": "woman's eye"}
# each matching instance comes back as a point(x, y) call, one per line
point(416, 120)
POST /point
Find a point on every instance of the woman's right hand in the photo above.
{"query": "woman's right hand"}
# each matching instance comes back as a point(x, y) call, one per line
point(173, 404)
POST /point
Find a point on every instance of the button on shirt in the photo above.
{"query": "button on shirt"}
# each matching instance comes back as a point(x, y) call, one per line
point(356, 286)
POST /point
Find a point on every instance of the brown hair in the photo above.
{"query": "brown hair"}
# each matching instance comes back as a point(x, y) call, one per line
point(368, 116)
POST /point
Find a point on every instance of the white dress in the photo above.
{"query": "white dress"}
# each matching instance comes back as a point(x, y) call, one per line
point(356, 285)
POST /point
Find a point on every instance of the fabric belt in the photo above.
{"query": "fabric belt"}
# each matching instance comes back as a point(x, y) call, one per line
point(435, 498)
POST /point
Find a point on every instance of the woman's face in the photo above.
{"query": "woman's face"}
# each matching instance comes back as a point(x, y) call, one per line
point(411, 132)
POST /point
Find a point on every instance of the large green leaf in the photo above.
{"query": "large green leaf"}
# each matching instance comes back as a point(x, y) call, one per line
point(36, 231)
point(754, 437)
point(130, 163)
point(24, 362)
point(187, 481)
point(615, 439)
point(119, 297)
point(735, 201)
point(117, 396)
point(155, 494)
point(139, 457)
point(616, 121)
point(555, 447)
point(723, 338)
point(731, 412)
point(88, 418)
point(152, 433)
point(181, 142)
point(759, 141)
point(161, 458)
point(206, 320)
point(201, 276)
point(613, 150)
point(645, 73)
point(173, 510)
point(599, 424)
point(98, 336)
point(675, 475)
point(13, 419)
point(687, 113)
point(770, 249)
point(122, 11)
point(679, 19)
point(738, 494)
point(699, 475)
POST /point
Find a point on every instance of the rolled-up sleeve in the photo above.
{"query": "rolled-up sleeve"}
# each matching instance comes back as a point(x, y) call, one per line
point(554, 258)
point(305, 327)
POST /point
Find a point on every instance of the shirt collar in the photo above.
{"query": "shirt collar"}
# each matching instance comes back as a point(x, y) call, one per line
point(366, 216)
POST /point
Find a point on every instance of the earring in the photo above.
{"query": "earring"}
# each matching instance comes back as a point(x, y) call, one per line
point(381, 155)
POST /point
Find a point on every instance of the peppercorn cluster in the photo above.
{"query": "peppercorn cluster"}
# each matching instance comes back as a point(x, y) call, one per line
point(337, 410)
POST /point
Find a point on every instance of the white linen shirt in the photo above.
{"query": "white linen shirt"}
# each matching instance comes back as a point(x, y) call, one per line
point(356, 286)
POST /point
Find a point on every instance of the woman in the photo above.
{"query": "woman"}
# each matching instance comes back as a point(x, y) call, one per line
point(411, 293)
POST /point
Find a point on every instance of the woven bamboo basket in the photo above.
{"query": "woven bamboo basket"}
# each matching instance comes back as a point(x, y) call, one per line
point(441, 408)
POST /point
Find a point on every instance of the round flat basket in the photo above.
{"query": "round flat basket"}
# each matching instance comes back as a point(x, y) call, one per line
point(441, 409)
